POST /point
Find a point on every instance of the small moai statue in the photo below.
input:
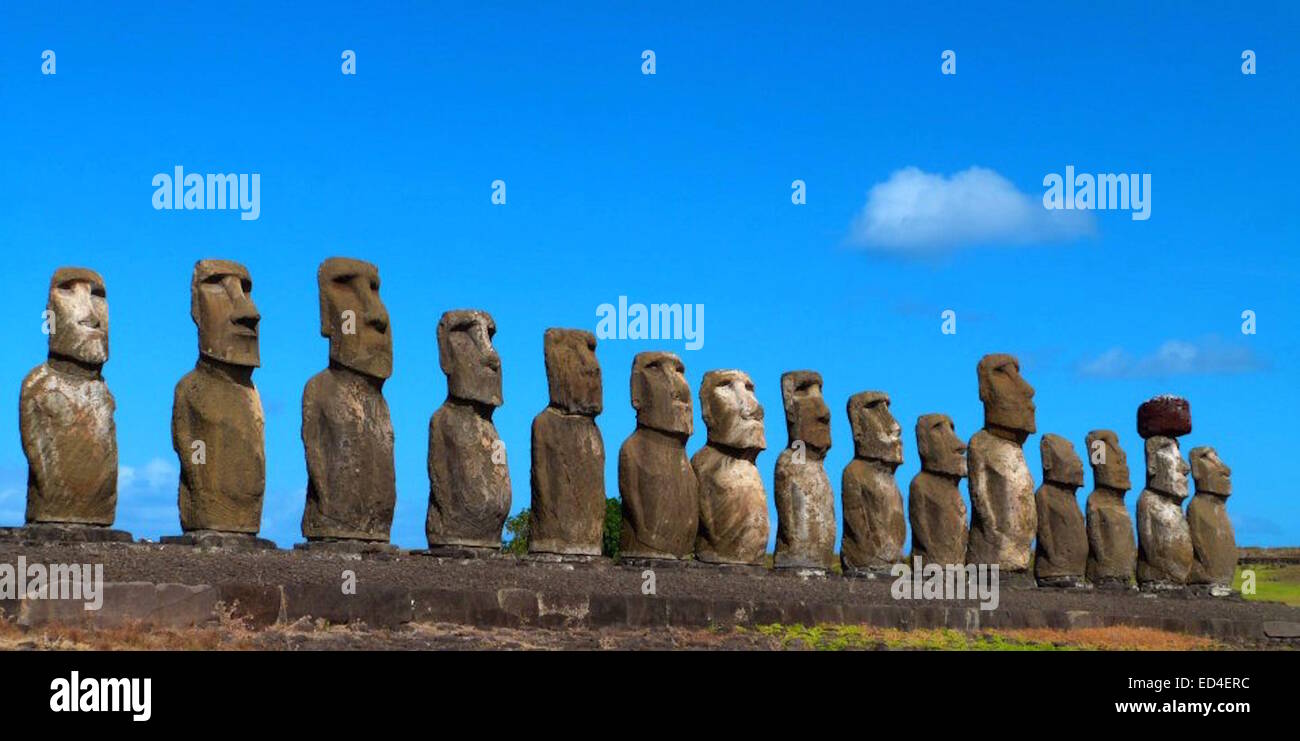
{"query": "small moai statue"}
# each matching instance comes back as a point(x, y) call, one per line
point(1214, 547)
point(469, 482)
point(1112, 551)
point(568, 453)
point(934, 504)
point(805, 503)
point(874, 524)
point(1164, 539)
point(661, 498)
point(217, 422)
point(347, 433)
point(1003, 517)
point(1061, 557)
point(733, 501)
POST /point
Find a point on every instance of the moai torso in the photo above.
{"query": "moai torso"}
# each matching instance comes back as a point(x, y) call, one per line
point(1061, 557)
point(1214, 547)
point(733, 501)
point(805, 503)
point(935, 507)
point(1112, 551)
point(874, 524)
point(1164, 540)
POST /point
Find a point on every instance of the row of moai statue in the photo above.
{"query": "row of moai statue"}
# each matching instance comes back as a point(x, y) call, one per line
point(711, 507)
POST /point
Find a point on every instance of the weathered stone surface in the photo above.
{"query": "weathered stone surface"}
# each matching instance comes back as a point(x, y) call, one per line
point(1214, 547)
point(733, 502)
point(1003, 514)
point(219, 539)
point(874, 524)
point(805, 503)
point(346, 430)
point(568, 452)
point(63, 532)
point(661, 501)
point(1061, 556)
point(1165, 416)
point(66, 410)
point(934, 504)
point(1112, 551)
point(217, 422)
point(1164, 540)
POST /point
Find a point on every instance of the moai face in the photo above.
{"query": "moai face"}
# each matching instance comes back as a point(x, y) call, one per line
point(79, 307)
point(941, 451)
point(354, 318)
point(806, 415)
point(1109, 464)
point(223, 310)
point(1166, 469)
point(1008, 398)
point(466, 355)
point(1210, 473)
point(876, 434)
point(660, 395)
point(1061, 465)
point(731, 412)
point(572, 372)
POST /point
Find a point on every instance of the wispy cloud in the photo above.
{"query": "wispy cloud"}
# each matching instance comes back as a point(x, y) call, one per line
point(1207, 356)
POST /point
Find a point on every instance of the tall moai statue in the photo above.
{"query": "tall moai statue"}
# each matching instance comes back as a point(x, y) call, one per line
point(1164, 540)
point(661, 498)
point(805, 503)
point(66, 416)
point(733, 501)
point(346, 430)
point(217, 422)
point(874, 524)
point(934, 504)
point(1003, 517)
point(568, 454)
point(1061, 557)
point(469, 482)
point(1214, 548)
point(1112, 552)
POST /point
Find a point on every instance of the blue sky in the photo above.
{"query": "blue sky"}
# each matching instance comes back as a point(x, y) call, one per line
point(675, 188)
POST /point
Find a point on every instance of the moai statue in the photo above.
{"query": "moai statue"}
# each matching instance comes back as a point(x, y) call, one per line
point(217, 423)
point(1061, 557)
point(1164, 539)
point(469, 482)
point(1112, 552)
point(874, 524)
point(66, 417)
point(661, 500)
point(733, 502)
point(346, 430)
point(1214, 547)
point(1003, 518)
point(934, 504)
point(805, 504)
point(568, 474)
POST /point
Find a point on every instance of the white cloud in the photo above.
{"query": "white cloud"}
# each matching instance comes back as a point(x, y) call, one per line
point(915, 211)
point(1210, 355)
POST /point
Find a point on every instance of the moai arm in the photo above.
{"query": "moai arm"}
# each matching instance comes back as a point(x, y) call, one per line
point(32, 417)
point(627, 489)
point(313, 435)
point(182, 433)
point(920, 516)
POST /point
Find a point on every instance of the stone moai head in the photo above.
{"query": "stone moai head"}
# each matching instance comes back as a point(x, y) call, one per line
point(1008, 398)
point(466, 355)
point(807, 417)
point(732, 414)
point(79, 316)
point(1061, 465)
point(223, 310)
point(353, 317)
point(877, 435)
point(941, 451)
point(1210, 473)
point(660, 395)
point(1166, 469)
point(572, 373)
point(1109, 464)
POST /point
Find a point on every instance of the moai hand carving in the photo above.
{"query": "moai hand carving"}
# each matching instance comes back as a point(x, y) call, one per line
point(661, 501)
point(733, 502)
point(805, 504)
point(1112, 552)
point(469, 482)
point(568, 452)
point(934, 503)
point(874, 524)
point(1062, 554)
point(1164, 540)
point(1003, 517)
point(1214, 546)
point(346, 430)
point(217, 423)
